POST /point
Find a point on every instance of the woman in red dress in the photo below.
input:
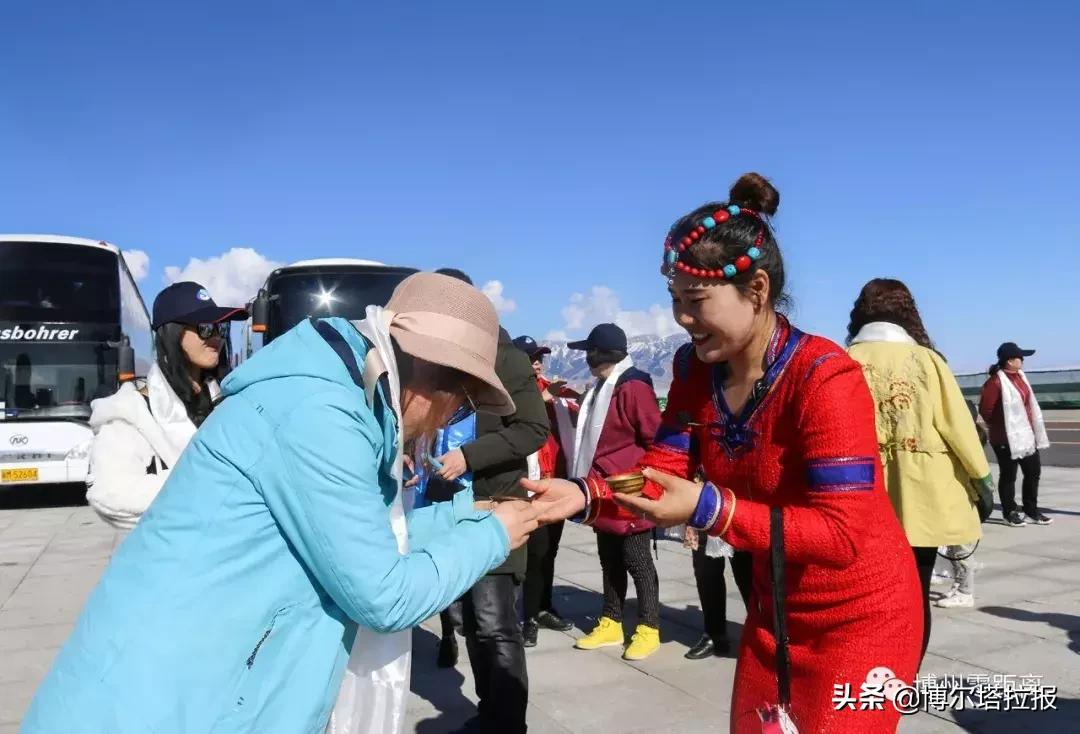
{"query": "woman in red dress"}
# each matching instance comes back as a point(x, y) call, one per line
point(777, 418)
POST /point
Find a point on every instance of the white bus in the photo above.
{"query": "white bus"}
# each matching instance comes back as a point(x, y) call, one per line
point(72, 328)
point(324, 287)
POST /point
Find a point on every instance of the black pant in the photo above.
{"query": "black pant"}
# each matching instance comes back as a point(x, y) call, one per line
point(1032, 467)
point(540, 573)
point(712, 587)
point(924, 560)
point(497, 653)
point(622, 553)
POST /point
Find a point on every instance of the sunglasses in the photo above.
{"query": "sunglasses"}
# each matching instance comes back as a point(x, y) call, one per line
point(208, 331)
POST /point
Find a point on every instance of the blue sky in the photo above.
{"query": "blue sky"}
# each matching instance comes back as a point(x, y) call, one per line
point(549, 146)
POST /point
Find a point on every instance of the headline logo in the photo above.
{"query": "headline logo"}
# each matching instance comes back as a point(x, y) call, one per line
point(37, 334)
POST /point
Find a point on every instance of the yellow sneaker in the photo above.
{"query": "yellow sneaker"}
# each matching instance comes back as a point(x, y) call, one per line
point(645, 642)
point(608, 633)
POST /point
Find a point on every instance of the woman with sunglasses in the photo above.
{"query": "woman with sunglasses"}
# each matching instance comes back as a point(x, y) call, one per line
point(140, 433)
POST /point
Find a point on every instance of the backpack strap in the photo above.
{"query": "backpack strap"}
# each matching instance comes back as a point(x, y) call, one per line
point(341, 347)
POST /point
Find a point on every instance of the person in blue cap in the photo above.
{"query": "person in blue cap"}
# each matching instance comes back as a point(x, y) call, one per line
point(140, 433)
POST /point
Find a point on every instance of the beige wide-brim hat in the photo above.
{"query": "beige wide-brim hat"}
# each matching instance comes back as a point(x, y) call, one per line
point(448, 322)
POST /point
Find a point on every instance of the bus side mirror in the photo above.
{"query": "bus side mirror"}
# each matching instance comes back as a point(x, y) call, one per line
point(260, 312)
point(125, 360)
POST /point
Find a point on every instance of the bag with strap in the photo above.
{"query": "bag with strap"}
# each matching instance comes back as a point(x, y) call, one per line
point(776, 719)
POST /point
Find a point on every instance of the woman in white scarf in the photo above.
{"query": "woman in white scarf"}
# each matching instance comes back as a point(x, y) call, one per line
point(140, 433)
point(1017, 433)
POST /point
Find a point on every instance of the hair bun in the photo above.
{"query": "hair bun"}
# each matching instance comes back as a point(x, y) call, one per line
point(754, 191)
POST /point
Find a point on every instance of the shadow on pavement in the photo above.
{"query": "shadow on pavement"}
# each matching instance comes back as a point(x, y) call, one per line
point(23, 497)
point(1068, 622)
point(441, 687)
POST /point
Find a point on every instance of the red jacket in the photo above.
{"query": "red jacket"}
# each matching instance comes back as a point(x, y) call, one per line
point(551, 455)
point(630, 428)
point(991, 410)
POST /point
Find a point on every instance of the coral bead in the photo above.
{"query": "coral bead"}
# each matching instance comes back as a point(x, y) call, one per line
point(742, 264)
point(686, 241)
point(700, 230)
point(721, 215)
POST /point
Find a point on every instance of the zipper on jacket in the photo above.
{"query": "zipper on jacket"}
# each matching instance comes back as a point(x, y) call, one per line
point(259, 644)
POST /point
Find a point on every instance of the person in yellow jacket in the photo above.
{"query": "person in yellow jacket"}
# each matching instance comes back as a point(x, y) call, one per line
point(930, 450)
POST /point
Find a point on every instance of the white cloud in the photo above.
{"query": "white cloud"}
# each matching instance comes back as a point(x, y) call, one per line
point(232, 278)
point(601, 305)
point(138, 263)
point(558, 335)
point(493, 289)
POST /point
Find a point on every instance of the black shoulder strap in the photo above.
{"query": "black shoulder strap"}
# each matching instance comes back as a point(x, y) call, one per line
point(776, 558)
point(341, 347)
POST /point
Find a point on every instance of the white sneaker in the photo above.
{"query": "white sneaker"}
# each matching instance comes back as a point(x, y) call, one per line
point(956, 601)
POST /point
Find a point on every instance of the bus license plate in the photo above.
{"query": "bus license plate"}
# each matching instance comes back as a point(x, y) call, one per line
point(19, 475)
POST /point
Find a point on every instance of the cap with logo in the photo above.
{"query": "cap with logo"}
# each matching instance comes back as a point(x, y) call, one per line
point(189, 303)
point(528, 345)
point(1009, 350)
point(607, 337)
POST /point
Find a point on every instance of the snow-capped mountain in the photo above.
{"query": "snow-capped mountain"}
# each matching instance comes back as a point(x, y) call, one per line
point(651, 354)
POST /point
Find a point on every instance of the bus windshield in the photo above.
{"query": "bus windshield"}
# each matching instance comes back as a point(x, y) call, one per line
point(59, 309)
point(53, 282)
point(296, 296)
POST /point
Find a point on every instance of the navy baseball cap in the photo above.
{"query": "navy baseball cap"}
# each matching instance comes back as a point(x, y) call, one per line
point(189, 303)
point(528, 345)
point(607, 337)
point(1010, 350)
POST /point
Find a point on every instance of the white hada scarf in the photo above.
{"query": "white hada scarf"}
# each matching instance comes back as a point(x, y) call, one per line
point(372, 697)
point(1024, 424)
point(594, 410)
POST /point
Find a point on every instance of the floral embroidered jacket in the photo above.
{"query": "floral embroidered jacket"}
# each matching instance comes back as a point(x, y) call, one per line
point(929, 447)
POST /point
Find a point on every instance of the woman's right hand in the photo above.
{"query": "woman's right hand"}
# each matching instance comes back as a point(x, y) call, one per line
point(519, 518)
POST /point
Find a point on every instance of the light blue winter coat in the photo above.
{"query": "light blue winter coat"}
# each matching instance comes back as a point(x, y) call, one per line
point(232, 606)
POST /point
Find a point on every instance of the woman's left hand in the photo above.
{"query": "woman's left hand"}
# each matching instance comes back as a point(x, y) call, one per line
point(674, 507)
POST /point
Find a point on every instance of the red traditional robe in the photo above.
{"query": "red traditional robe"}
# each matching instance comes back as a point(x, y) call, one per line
point(805, 441)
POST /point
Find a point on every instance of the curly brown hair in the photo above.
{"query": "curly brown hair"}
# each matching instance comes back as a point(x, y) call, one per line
point(887, 299)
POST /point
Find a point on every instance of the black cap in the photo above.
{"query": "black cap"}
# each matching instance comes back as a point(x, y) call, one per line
point(189, 303)
point(528, 345)
point(607, 337)
point(1009, 350)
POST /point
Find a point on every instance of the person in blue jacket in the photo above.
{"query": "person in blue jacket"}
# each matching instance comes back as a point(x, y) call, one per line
point(277, 541)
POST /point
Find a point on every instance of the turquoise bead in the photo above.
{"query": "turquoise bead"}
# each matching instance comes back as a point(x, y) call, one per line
point(753, 253)
point(708, 222)
point(671, 257)
point(734, 210)
point(730, 271)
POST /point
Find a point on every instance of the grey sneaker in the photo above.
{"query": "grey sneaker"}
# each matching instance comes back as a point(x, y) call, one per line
point(1014, 519)
point(956, 601)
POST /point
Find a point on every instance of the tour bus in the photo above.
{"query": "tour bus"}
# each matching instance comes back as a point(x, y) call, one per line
point(324, 287)
point(72, 328)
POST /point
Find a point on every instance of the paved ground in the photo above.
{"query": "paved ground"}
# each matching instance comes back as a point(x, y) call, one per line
point(1063, 429)
point(1028, 622)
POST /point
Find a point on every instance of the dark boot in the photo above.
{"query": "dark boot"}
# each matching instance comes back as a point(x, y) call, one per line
point(530, 631)
point(548, 619)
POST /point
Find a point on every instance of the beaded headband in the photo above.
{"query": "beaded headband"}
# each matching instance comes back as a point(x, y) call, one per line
point(673, 252)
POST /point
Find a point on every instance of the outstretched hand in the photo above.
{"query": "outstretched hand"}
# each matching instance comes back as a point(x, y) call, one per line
point(674, 507)
point(555, 499)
